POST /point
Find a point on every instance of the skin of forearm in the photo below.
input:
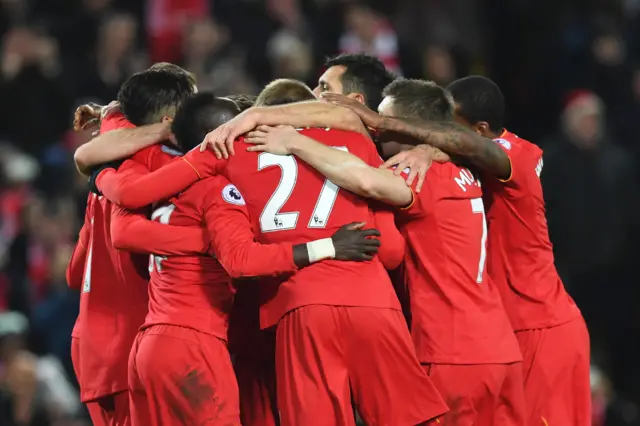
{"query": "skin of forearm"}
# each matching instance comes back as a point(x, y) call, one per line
point(117, 144)
point(312, 114)
point(453, 139)
point(300, 255)
point(351, 173)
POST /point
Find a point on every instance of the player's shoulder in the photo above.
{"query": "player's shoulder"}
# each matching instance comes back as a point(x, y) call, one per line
point(452, 178)
point(512, 142)
point(115, 121)
point(216, 189)
point(332, 136)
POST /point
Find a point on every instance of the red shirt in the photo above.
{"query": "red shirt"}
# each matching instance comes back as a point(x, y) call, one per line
point(457, 314)
point(113, 302)
point(196, 291)
point(520, 255)
point(289, 201)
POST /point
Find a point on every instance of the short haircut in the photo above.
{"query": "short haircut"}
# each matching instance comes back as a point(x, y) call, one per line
point(198, 116)
point(479, 99)
point(244, 102)
point(364, 74)
point(173, 68)
point(419, 99)
point(284, 91)
point(149, 95)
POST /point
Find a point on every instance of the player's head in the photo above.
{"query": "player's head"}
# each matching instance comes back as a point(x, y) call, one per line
point(284, 91)
point(244, 102)
point(479, 104)
point(173, 68)
point(153, 96)
point(417, 99)
point(356, 75)
point(199, 115)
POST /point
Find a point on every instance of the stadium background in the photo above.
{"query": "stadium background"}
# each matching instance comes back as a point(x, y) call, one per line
point(570, 71)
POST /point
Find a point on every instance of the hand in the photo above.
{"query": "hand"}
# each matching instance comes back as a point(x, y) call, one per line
point(418, 160)
point(222, 138)
point(276, 140)
point(369, 117)
point(86, 115)
point(351, 242)
point(112, 107)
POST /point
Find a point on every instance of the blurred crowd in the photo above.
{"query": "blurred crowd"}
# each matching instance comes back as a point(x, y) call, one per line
point(570, 71)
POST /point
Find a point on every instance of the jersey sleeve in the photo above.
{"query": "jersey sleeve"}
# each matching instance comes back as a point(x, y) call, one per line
point(132, 231)
point(519, 160)
point(422, 201)
point(232, 238)
point(392, 244)
point(134, 189)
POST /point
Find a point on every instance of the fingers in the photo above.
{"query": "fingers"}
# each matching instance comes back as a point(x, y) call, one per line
point(413, 171)
point(354, 226)
point(367, 233)
point(257, 148)
point(394, 160)
point(421, 176)
point(222, 147)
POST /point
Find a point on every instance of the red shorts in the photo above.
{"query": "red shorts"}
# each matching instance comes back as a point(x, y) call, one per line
point(178, 375)
point(326, 354)
point(482, 394)
point(557, 374)
point(110, 410)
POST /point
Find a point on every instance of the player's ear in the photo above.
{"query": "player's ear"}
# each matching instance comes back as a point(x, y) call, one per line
point(167, 119)
point(357, 96)
point(482, 128)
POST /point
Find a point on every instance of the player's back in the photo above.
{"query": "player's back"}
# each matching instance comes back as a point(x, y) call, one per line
point(520, 254)
point(289, 201)
point(190, 291)
point(457, 314)
point(110, 310)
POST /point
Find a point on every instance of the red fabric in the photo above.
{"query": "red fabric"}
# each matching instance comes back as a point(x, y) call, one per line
point(284, 201)
point(457, 314)
point(520, 255)
point(111, 410)
point(557, 374)
point(196, 291)
point(325, 355)
point(166, 20)
point(481, 395)
point(179, 376)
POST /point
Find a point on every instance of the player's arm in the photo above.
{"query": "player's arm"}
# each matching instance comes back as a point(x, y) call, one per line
point(134, 187)
point(233, 243)
point(392, 244)
point(340, 167)
point(118, 144)
point(301, 114)
point(455, 140)
point(132, 231)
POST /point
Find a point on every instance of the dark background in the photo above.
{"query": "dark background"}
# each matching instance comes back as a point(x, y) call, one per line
point(570, 71)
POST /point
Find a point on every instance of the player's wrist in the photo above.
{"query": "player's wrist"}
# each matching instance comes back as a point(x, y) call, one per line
point(322, 249)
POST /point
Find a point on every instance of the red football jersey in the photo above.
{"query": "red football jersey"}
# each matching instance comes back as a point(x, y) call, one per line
point(520, 254)
point(457, 314)
point(196, 291)
point(289, 201)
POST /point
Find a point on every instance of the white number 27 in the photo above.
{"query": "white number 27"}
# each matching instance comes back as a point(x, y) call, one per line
point(272, 219)
point(477, 206)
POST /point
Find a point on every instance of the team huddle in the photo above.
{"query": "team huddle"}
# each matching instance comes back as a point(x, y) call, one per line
point(255, 260)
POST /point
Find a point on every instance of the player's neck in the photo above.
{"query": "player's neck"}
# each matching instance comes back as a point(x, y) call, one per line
point(494, 135)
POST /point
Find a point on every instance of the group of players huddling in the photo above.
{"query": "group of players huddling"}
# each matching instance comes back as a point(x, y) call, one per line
point(294, 277)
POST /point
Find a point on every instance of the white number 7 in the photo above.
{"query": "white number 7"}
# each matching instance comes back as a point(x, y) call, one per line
point(477, 206)
point(271, 218)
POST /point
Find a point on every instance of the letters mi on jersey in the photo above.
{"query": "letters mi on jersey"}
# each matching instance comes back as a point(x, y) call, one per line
point(465, 179)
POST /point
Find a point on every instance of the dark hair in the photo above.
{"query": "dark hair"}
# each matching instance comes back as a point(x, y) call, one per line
point(244, 102)
point(284, 91)
point(364, 74)
point(420, 99)
point(479, 99)
point(149, 95)
point(173, 68)
point(198, 116)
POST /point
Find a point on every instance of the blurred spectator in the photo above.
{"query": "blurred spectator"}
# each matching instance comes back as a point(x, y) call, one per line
point(290, 56)
point(368, 32)
point(216, 63)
